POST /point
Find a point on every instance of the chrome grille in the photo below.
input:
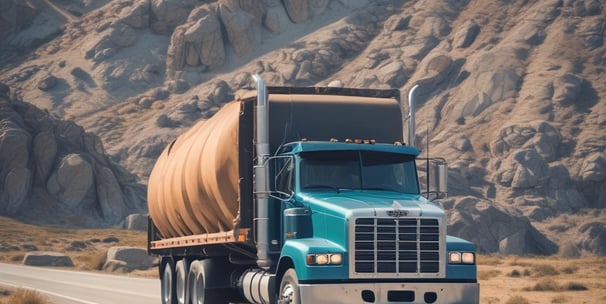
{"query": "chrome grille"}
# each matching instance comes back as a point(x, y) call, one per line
point(396, 245)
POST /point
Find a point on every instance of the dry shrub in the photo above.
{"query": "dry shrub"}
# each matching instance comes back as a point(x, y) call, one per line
point(545, 285)
point(570, 269)
point(574, 286)
point(517, 300)
point(24, 296)
point(544, 270)
point(4, 292)
point(515, 273)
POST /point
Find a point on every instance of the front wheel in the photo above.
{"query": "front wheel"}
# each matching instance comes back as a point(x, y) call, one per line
point(289, 288)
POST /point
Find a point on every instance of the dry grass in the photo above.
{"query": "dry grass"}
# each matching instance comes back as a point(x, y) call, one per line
point(21, 296)
point(541, 280)
point(86, 247)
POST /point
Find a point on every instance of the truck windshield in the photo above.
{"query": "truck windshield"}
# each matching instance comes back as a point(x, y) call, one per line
point(364, 170)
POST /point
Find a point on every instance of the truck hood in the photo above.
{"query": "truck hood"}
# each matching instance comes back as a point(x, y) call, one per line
point(369, 204)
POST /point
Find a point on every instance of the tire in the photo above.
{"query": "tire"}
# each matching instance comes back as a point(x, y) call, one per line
point(168, 283)
point(289, 288)
point(181, 288)
point(198, 280)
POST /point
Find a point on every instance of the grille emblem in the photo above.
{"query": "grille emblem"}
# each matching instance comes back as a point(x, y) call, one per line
point(397, 213)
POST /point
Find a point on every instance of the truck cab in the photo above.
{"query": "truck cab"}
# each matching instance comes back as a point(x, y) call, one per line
point(356, 229)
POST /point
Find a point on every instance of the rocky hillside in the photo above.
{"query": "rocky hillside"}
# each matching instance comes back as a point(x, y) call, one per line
point(512, 92)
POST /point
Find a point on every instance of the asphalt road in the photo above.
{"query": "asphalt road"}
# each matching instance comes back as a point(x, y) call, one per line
point(74, 287)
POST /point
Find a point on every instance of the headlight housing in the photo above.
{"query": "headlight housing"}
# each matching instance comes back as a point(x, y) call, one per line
point(457, 257)
point(324, 259)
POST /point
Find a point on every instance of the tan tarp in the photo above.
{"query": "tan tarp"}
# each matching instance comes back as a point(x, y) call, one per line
point(193, 187)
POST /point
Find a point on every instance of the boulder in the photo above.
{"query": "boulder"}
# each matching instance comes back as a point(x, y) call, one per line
point(540, 136)
point(136, 15)
point(72, 180)
point(109, 195)
point(44, 258)
point(136, 221)
point(240, 29)
point(272, 19)
point(44, 152)
point(212, 52)
point(168, 14)
point(594, 168)
point(127, 259)
point(530, 170)
point(17, 185)
point(175, 55)
point(592, 237)
point(298, 10)
point(15, 177)
point(122, 35)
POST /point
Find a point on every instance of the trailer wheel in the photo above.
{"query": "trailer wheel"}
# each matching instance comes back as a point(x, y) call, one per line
point(181, 274)
point(289, 288)
point(168, 283)
point(198, 280)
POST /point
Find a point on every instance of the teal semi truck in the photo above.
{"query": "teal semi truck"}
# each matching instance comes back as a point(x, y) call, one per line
point(304, 195)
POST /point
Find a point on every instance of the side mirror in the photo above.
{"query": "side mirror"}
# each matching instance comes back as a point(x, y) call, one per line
point(433, 176)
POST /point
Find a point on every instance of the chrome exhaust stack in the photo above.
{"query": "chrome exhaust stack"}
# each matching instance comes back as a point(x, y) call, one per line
point(261, 175)
point(411, 115)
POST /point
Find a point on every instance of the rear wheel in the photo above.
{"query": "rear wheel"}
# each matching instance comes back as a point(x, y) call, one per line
point(200, 280)
point(181, 274)
point(289, 288)
point(168, 283)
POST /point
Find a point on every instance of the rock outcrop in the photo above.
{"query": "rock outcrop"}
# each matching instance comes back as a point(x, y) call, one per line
point(52, 167)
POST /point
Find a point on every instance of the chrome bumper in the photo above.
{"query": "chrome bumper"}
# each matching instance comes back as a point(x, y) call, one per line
point(347, 293)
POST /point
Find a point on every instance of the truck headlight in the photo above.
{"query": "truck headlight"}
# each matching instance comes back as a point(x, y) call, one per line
point(468, 258)
point(324, 259)
point(456, 257)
